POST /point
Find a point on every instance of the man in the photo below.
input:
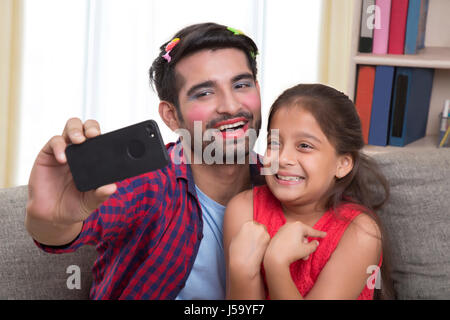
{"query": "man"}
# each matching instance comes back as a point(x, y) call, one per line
point(159, 235)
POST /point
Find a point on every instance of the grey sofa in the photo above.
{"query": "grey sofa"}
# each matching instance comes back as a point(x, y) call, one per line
point(417, 220)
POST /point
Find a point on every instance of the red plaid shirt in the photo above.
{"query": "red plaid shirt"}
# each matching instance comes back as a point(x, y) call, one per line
point(147, 234)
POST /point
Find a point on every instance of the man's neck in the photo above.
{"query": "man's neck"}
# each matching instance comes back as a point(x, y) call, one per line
point(221, 182)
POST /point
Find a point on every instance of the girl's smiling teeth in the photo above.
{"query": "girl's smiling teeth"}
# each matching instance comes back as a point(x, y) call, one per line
point(289, 178)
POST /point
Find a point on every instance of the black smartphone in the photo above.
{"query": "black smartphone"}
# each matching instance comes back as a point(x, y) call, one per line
point(117, 155)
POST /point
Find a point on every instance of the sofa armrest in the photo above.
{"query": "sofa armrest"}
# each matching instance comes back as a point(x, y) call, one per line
point(29, 273)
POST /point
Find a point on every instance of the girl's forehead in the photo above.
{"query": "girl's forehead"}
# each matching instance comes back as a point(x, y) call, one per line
point(294, 120)
point(292, 113)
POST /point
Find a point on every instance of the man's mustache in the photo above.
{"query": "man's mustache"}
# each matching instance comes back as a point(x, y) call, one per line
point(248, 116)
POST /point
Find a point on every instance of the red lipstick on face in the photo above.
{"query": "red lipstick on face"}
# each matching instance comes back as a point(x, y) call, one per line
point(230, 121)
point(230, 133)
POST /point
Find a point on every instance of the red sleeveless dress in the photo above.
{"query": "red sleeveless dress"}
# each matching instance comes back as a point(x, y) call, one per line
point(267, 210)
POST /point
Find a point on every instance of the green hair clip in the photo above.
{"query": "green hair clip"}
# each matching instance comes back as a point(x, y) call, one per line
point(238, 32)
point(235, 31)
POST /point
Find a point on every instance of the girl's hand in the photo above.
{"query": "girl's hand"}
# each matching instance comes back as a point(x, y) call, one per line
point(290, 244)
point(247, 248)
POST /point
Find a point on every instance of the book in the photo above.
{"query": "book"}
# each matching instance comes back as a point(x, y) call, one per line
point(445, 118)
point(381, 32)
point(367, 23)
point(445, 139)
point(415, 26)
point(397, 27)
point(381, 104)
point(410, 105)
point(364, 96)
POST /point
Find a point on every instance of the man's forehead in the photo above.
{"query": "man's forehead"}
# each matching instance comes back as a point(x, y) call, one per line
point(209, 64)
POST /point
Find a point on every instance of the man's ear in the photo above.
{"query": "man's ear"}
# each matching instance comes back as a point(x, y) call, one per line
point(168, 114)
point(344, 165)
point(258, 87)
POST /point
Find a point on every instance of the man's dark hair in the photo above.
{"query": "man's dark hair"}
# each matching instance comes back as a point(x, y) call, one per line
point(193, 39)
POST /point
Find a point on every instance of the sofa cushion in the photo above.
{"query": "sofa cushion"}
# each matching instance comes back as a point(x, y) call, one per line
point(29, 273)
point(417, 221)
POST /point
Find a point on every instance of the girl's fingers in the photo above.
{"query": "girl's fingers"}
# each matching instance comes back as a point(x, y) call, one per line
point(313, 233)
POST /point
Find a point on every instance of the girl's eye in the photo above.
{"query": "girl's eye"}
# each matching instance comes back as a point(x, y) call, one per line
point(273, 144)
point(305, 146)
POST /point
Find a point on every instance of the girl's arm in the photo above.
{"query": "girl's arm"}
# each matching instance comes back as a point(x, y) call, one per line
point(245, 242)
point(345, 274)
point(287, 246)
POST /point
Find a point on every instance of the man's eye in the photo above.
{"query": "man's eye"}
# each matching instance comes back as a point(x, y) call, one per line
point(202, 94)
point(242, 85)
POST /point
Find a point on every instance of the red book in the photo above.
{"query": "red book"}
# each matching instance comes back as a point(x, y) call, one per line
point(364, 97)
point(397, 29)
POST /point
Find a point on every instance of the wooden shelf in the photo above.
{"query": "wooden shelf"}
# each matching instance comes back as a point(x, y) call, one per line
point(431, 57)
point(424, 144)
point(435, 55)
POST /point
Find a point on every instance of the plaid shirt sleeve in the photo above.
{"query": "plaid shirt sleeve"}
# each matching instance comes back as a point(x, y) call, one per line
point(115, 215)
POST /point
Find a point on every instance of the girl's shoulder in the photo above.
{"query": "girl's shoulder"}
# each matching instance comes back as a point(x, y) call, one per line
point(242, 198)
point(239, 210)
point(241, 206)
point(361, 218)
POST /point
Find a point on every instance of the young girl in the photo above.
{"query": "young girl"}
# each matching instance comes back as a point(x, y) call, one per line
point(310, 233)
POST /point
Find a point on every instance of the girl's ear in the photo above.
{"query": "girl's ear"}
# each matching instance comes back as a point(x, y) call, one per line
point(344, 166)
point(168, 114)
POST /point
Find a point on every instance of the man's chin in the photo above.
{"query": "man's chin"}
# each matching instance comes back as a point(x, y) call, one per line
point(229, 152)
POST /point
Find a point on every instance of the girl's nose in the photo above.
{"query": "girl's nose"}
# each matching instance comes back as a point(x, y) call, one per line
point(287, 157)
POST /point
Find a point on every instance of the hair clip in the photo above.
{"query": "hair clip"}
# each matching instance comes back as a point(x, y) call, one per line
point(169, 48)
point(236, 31)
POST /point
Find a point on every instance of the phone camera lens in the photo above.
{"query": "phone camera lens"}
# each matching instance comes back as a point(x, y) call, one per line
point(150, 131)
point(136, 149)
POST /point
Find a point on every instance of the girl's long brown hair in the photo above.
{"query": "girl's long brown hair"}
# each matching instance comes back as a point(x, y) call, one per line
point(338, 119)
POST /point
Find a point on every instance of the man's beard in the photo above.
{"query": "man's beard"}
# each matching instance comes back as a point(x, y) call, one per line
point(211, 148)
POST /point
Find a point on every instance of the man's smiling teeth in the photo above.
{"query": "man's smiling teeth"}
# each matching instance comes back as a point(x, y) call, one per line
point(289, 178)
point(231, 126)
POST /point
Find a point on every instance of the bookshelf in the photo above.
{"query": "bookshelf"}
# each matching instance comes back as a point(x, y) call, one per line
point(435, 55)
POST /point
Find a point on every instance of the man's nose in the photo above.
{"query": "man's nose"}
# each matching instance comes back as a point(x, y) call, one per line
point(228, 103)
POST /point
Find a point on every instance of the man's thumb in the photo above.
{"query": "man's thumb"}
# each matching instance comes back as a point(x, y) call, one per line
point(94, 198)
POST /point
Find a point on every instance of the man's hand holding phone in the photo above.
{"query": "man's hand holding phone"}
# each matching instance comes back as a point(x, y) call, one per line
point(56, 209)
point(75, 173)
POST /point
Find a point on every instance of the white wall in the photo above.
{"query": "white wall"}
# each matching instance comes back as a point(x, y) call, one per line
point(90, 58)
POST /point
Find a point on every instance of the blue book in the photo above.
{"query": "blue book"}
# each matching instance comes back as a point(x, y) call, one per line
point(381, 104)
point(415, 26)
point(410, 105)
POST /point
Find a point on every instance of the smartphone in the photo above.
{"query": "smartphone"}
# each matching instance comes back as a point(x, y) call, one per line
point(117, 155)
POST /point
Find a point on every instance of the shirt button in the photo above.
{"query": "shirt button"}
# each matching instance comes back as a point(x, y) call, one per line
point(200, 236)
